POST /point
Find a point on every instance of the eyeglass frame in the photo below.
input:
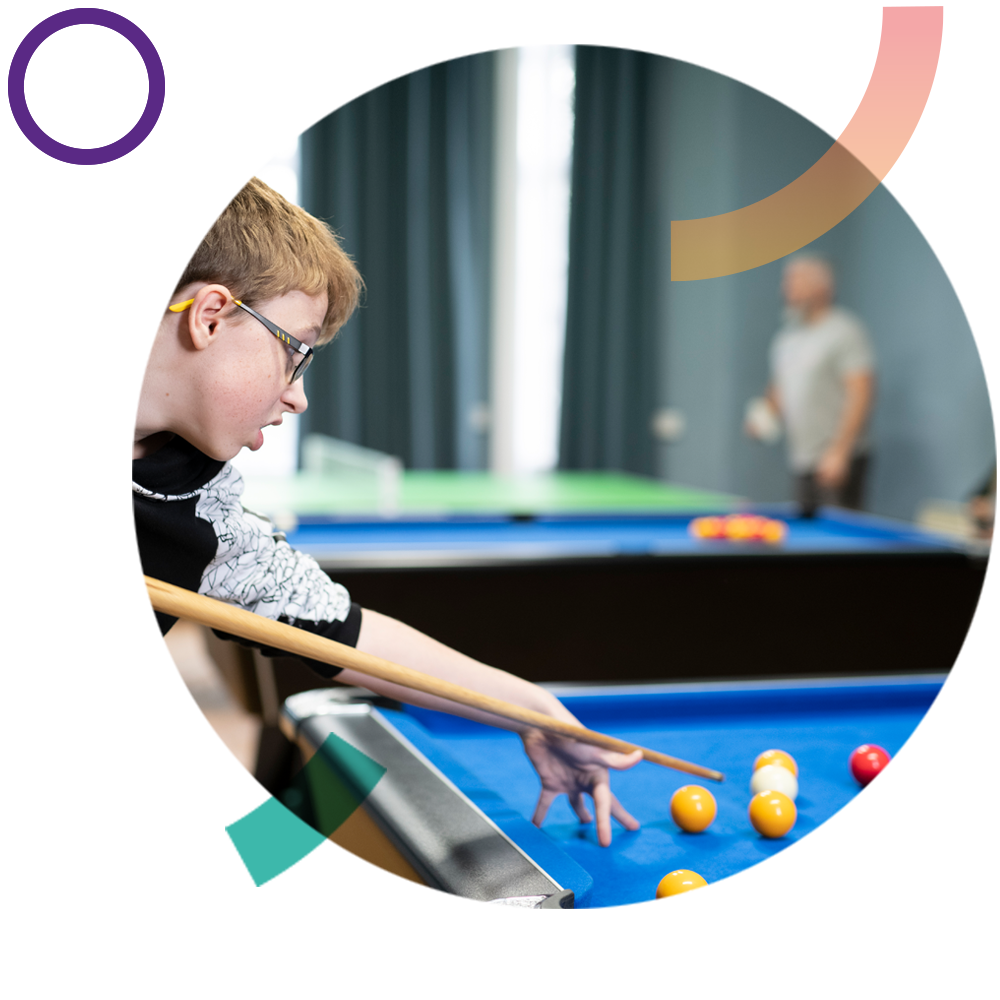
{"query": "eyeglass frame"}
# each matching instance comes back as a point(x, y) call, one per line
point(286, 338)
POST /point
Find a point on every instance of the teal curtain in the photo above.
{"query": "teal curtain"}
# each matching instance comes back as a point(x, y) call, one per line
point(609, 375)
point(404, 176)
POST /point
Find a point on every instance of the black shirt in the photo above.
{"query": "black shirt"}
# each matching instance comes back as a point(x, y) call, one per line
point(193, 531)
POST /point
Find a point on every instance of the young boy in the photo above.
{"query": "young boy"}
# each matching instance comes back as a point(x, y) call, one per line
point(268, 285)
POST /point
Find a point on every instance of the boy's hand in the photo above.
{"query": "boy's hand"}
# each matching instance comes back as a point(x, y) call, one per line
point(564, 765)
point(568, 767)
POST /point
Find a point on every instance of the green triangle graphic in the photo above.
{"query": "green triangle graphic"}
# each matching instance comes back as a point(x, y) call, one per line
point(335, 781)
point(266, 845)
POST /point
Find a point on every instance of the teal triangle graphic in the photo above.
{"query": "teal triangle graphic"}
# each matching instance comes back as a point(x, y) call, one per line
point(335, 781)
point(266, 845)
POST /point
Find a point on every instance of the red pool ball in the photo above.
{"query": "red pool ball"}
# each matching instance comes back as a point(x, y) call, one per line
point(911, 784)
point(969, 723)
point(867, 761)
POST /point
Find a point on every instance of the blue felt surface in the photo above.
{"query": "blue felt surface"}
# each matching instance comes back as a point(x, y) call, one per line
point(818, 726)
point(565, 535)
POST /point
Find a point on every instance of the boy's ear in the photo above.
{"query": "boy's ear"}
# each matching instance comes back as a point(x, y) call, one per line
point(210, 303)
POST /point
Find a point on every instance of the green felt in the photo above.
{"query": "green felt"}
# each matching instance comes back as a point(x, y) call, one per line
point(478, 492)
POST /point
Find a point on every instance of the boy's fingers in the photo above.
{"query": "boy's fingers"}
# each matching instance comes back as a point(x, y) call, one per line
point(602, 796)
point(579, 805)
point(621, 761)
point(541, 810)
point(623, 816)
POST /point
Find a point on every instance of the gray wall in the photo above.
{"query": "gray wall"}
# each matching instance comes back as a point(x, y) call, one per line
point(724, 145)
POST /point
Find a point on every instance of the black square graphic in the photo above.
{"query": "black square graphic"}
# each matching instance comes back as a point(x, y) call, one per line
point(85, 86)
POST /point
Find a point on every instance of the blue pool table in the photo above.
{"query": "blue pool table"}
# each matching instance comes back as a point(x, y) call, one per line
point(457, 797)
point(632, 596)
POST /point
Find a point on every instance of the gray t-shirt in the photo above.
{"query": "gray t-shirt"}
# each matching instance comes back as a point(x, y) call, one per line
point(808, 365)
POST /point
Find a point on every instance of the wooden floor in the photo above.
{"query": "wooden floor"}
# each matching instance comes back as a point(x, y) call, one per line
point(185, 721)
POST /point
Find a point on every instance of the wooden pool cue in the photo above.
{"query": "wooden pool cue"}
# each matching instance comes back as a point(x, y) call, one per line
point(216, 614)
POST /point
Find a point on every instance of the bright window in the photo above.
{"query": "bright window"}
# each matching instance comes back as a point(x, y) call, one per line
point(545, 82)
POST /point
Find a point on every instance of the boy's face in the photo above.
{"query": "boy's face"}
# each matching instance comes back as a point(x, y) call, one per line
point(245, 373)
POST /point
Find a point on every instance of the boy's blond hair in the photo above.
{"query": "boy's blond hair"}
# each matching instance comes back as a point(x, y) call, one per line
point(263, 246)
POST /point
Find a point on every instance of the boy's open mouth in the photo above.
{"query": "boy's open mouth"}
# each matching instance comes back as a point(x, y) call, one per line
point(260, 433)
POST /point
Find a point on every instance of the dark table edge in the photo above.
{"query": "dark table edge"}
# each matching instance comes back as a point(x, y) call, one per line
point(332, 561)
point(971, 680)
point(577, 689)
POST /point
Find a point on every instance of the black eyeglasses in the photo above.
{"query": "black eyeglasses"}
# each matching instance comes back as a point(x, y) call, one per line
point(296, 346)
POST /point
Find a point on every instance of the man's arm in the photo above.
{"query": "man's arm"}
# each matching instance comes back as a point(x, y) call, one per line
point(859, 388)
point(564, 766)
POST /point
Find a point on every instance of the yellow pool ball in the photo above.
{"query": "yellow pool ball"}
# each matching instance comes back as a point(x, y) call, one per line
point(772, 814)
point(774, 532)
point(740, 527)
point(682, 880)
point(708, 527)
point(778, 757)
point(693, 808)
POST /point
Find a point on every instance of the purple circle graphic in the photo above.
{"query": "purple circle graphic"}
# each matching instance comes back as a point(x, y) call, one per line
point(67, 19)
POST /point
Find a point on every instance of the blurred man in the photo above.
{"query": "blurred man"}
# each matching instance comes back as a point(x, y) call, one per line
point(983, 506)
point(822, 386)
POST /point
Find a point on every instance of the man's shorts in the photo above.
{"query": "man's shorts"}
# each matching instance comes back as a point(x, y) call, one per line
point(850, 493)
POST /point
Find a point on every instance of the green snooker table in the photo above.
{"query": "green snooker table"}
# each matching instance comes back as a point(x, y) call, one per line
point(453, 808)
point(440, 493)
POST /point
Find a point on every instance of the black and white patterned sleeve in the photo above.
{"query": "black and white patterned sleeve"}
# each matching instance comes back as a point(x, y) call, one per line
point(255, 568)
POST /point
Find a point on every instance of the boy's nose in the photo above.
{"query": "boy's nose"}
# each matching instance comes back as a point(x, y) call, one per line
point(295, 396)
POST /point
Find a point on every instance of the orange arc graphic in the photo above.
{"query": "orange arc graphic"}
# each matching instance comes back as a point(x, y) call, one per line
point(841, 179)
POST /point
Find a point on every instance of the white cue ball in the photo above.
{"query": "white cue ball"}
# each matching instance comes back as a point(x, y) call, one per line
point(774, 778)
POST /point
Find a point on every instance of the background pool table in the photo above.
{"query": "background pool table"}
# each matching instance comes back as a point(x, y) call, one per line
point(593, 576)
point(721, 725)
